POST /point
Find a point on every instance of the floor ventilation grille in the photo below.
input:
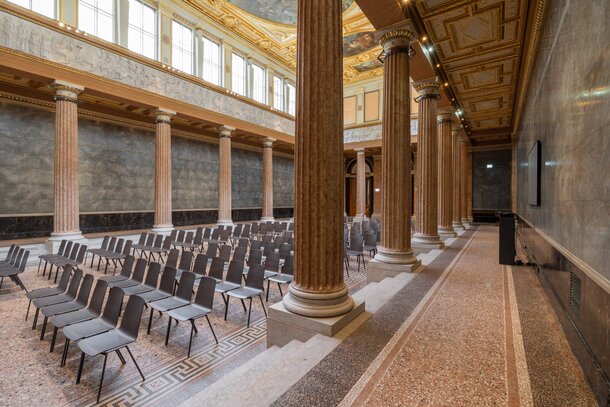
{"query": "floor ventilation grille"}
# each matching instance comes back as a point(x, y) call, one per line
point(575, 292)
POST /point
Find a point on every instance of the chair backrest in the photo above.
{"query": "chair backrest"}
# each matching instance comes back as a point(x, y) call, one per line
point(158, 241)
point(239, 254)
point(272, 262)
point(112, 310)
point(62, 244)
point(217, 268)
point(288, 267)
point(225, 234)
point(212, 250)
point(284, 250)
point(168, 279)
point(81, 253)
point(85, 289)
point(237, 230)
point(185, 286)
point(267, 239)
point(255, 257)
point(255, 278)
point(370, 239)
point(229, 229)
point(206, 233)
point(172, 258)
point(201, 264)
point(256, 245)
point(205, 292)
point(198, 236)
point(189, 237)
point(236, 271)
point(142, 239)
point(127, 247)
point(152, 277)
point(167, 243)
point(291, 226)
point(186, 260)
point(221, 227)
point(173, 234)
point(215, 234)
point(180, 237)
point(74, 251)
point(11, 250)
point(225, 252)
point(140, 269)
point(17, 258)
point(150, 239)
point(127, 266)
point(75, 283)
point(111, 244)
point(243, 242)
point(97, 299)
point(356, 243)
point(269, 248)
point(246, 230)
point(262, 229)
point(65, 278)
point(130, 325)
point(67, 249)
point(254, 229)
point(119, 246)
point(24, 261)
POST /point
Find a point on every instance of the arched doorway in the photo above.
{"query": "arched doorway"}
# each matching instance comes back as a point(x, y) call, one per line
point(351, 189)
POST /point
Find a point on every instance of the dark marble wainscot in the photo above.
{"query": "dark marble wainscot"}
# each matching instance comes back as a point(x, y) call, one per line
point(110, 222)
point(194, 217)
point(283, 213)
point(23, 227)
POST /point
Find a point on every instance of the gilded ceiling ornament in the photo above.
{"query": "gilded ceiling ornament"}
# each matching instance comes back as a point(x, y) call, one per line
point(230, 21)
point(264, 43)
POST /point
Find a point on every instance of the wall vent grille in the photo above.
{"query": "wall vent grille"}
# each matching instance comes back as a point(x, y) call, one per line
point(575, 292)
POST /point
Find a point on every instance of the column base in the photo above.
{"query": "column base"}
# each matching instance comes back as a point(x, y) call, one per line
point(318, 305)
point(470, 220)
point(284, 326)
point(446, 233)
point(224, 222)
point(377, 271)
point(267, 219)
point(162, 229)
point(466, 223)
point(360, 218)
point(427, 242)
point(457, 226)
point(52, 245)
point(376, 216)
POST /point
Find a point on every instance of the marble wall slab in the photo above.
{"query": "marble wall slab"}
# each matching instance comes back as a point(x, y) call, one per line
point(491, 186)
point(25, 36)
point(283, 182)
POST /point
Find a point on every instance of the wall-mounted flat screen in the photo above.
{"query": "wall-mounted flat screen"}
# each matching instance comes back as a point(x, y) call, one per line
point(533, 175)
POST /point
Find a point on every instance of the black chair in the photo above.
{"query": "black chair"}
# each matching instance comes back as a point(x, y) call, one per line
point(183, 296)
point(172, 258)
point(356, 248)
point(285, 277)
point(114, 340)
point(200, 266)
point(253, 288)
point(136, 278)
point(166, 287)
point(240, 253)
point(272, 265)
point(150, 284)
point(106, 322)
point(49, 291)
point(67, 296)
point(186, 260)
point(201, 307)
point(233, 280)
point(225, 252)
point(65, 254)
point(42, 257)
point(212, 250)
point(92, 311)
point(217, 268)
point(125, 272)
point(13, 271)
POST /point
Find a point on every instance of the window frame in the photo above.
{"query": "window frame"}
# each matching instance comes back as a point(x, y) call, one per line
point(93, 4)
point(290, 106)
point(244, 73)
point(210, 63)
point(263, 85)
point(31, 8)
point(175, 46)
point(143, 32)
point(277, 95)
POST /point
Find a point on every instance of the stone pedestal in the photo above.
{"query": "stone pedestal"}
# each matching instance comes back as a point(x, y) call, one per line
point(360, 186)
point(395, 247)
point(445, 176)
point(318, 291)
point(457, 178)
point(426, 216)
point(267, 180)
point(163, 172)
point(378, 271)
point(66, 186)
point(224, 176)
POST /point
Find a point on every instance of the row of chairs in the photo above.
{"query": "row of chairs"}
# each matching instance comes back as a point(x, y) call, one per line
point(14, 264)
point(69, 253)
point(113, 249)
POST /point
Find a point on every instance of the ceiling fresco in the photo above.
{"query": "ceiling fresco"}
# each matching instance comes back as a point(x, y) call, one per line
point(276, 11)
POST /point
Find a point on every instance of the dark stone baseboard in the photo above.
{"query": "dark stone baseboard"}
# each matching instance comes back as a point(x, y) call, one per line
point(585, 319)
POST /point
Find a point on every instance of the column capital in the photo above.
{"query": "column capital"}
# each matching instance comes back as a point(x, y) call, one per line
point(444, 115)
point(456, 128)
point(163, 115)
point(396, 38)
point(268, 142)
point(359, 150)
point(226, 131)
point(429, 88)
point(66, 90)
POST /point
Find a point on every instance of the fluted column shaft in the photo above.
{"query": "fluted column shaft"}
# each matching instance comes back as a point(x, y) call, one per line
point(377, 181)
point(426, 216)
point(464, 180)
point(224, 177)
point(469, 183)
point(66, 211)
point(395, 247)
point(360, 184)
point(318, 289)
point(445, 196)
point(267, 180)
point(457, 178)
point(163, 171)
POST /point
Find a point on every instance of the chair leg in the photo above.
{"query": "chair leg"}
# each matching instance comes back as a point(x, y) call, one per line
point(65, 354)
point(53, 339)
point(35, 318)
point(136, 363)
point(99, 390)
point(28, 311)
point(120, 355)
point(44, 328)
point(243, 304)
point(39, 264)
point(211, 328)
point(1, 281)
point(80, 368)
point(249, 312)
point(169, 327)
point(279, 286)
point(262, 305)
point(150, 320)
point(268, 283)
point(227, 307)
point(188, 355)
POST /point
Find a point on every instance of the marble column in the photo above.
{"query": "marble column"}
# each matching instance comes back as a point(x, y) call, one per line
point(469, 183)
point(464, 142)
point(377, 197)
point(360, 185)
point(457, 178)
point(395, 246)
point(66, 212)
point(163, 172)
point(426, 215)
point(318, 289)
point(445, 195)
point(267, 179)
point(224, 176)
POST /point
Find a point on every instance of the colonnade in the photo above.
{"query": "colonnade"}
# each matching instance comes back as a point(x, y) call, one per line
point(66, 186)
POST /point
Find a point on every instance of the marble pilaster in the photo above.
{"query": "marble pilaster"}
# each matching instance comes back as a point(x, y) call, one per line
point(445, 196)
point(224, 176)
point(360, 185)
point(426, 215)
point(464, 142)
point(457, 178)
point(163, 171)
point(267, 180)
